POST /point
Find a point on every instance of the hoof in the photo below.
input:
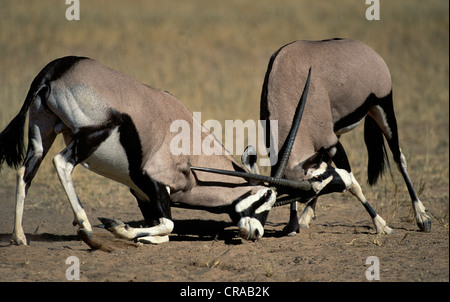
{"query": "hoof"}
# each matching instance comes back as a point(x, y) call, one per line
point(291, 229)
point(17, 241)
point(425, 226)
point(422, 218)
point(110, 223)
point(18, 238)
point(386, 230)
point(304, 225)
point(381, 226)
point(88, 238)
point(306, 217)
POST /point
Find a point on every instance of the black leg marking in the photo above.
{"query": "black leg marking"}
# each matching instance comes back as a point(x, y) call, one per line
point(340, 158)
point(370, 210)
point(159, 201)
point(293, 226)
point(158, 204)
point(422, 219)
point(356, 115)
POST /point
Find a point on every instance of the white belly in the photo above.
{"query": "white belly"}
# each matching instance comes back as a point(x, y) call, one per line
point(110, 160)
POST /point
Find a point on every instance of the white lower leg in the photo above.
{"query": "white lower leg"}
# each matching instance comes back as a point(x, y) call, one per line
point(305, 217)
point(379, 223)
point(156, 234)
point(18, 236)
point(64, 170)
point(422, 219)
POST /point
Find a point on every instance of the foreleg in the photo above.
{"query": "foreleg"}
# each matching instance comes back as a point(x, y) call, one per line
point(155, 235)
point(155, 208)
point(341, 160)
point(309, 213)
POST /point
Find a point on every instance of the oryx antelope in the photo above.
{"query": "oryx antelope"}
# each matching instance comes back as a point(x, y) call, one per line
point(351, 82)
point(119, 128)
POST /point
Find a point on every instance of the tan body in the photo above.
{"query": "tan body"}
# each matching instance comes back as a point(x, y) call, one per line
point(95, 91)
point(120, 128)
point(350, 83)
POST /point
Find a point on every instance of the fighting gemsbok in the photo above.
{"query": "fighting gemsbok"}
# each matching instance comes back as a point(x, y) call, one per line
point(351, 82)
point(119, 128)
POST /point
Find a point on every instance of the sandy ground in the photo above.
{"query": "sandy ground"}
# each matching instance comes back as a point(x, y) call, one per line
point(205, 247)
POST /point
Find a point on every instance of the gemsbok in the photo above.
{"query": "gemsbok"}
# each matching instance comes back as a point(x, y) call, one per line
point(351, 82)
point(119, 128)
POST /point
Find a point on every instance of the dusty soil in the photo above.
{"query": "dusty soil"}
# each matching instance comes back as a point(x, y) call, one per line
point(206, 247)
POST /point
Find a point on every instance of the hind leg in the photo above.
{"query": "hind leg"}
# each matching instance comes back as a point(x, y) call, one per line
point(422, 219)
point(384, 115)
point(41, 136)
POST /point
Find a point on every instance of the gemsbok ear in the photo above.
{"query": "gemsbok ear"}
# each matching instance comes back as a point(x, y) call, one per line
point(249, 159)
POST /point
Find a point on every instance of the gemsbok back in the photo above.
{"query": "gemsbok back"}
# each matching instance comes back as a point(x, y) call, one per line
point(120, 129)
point(351, 82)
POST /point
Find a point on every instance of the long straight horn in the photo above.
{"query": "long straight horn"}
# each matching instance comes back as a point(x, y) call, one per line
point(277, 182)
point(289, 143)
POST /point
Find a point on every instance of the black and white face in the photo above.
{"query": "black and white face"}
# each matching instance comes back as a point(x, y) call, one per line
point(253, 211)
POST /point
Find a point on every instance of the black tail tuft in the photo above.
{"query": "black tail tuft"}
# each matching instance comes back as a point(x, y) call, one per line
point(12, 141)
point(12, 148)
point(373, 137)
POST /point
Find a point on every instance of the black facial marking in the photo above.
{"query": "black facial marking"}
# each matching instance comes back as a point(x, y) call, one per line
point(262, 217)
point(335, 185)
point(250, 211)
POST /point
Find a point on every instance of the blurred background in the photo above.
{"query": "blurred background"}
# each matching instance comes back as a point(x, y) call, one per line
point(212, 55)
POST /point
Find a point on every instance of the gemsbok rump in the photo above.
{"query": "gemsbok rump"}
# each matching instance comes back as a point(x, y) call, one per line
point(119, 128)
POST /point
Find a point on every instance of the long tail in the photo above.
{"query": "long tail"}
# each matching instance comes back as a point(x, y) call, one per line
point(12, 147)
point(376, 149)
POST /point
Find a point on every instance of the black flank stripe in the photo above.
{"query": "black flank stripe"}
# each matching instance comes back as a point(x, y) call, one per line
point(356, 115)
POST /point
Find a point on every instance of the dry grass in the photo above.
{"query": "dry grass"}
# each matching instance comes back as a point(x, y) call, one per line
point(212, 55)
